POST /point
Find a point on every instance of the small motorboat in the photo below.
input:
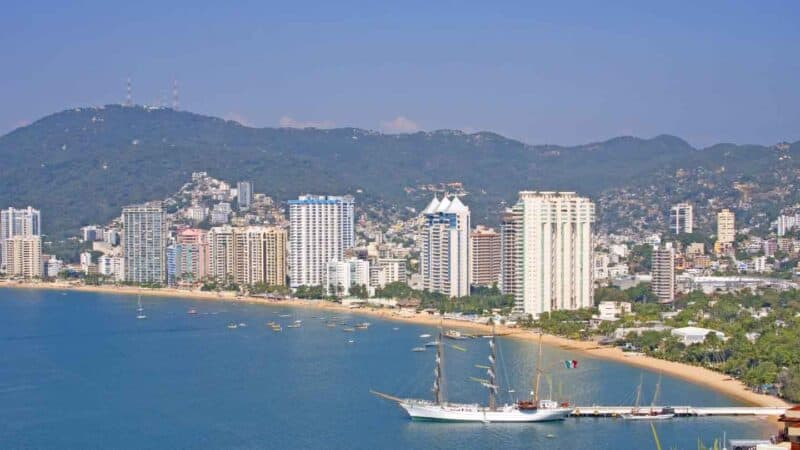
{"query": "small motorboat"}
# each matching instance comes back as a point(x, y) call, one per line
point(424, 336)
point(418, 349)
point(454, 334)
point(191, 311)
point(232, 326)
point(348, 329)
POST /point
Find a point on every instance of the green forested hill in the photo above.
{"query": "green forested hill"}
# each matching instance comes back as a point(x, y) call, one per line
point(82, 165)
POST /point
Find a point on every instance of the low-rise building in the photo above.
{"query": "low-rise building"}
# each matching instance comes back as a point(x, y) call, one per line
point(694, 335)
point(611, 311)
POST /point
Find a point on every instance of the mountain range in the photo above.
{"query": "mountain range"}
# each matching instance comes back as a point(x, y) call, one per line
point(81, 165)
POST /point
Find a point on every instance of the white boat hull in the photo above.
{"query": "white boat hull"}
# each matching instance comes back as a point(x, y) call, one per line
point(474, 413)
point(647, 416)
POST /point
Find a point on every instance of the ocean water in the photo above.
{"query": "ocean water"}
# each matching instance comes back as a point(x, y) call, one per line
point(78, 370)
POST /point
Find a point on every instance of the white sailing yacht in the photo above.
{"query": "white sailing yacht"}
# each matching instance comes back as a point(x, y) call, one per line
point(439, 409)
point(652, 413)
point(140, 309)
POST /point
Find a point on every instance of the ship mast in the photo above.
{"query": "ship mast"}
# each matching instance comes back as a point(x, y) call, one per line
point(638, 394)
point(538, 373)
point(438, 396)
point(491, 371)
point(655, 394)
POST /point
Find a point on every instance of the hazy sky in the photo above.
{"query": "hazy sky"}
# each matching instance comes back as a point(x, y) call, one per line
point(556, 72)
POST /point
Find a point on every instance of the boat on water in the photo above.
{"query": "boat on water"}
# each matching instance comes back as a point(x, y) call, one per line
point(535, 409)
point(432, 344)
point(348, 329)
point(651, 413)
point(294, 325)
point(418, 349)
point(191, 311)
point(277, 328)
point(454, 334)
point(424, 336)
point(232, 326)
point(362, 326)
point(140, 309)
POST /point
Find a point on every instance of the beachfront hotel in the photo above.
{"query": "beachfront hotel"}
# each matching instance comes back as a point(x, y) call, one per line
point(144, 242)
point(23, 256)
point(321, 229)
point(259, 255)
point(552, 261)
point(247, 255)
point(18, 222)
point(445, 259)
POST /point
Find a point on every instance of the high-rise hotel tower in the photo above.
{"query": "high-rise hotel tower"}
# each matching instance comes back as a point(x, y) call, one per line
point(445, 251)
point(144, 242)
point(321, 229)
point(553, 259)
point(24, 222)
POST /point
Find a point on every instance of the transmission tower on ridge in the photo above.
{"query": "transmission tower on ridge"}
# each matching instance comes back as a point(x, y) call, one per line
point(129, 93)
point(175, 102)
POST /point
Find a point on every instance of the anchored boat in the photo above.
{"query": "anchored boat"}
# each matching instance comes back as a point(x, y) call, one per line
point(535, 409)
point(652, 413)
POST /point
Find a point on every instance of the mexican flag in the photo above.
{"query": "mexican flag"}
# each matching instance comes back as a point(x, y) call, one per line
point(571, 364)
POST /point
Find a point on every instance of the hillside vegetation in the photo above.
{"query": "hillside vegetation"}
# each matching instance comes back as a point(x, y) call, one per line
point(82, 165)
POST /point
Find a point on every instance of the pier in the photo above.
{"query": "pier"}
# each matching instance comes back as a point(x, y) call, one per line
point(680, 411)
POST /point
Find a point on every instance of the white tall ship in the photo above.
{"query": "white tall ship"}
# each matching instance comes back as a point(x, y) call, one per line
point(439, 409)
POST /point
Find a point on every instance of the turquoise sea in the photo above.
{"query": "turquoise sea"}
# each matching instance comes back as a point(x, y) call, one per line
point(78, 370)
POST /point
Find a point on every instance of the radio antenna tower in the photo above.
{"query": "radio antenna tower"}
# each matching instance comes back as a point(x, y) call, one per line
point(129, 94)
point(175, 103)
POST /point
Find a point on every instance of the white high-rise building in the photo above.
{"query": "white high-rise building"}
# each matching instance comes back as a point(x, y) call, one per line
point(445, 260)
point(681, 218)
point(111, 266)
point(144, 242)
point(342, 275)
point(18, 222)
point(553, 266)
point(321, 229)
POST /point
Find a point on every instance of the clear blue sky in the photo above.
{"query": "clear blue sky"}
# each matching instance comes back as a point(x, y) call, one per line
point(554, 72)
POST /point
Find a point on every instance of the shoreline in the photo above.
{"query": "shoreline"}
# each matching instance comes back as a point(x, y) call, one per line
point(700, 376)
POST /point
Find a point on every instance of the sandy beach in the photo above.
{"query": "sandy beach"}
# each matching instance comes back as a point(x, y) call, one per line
point(697, 375)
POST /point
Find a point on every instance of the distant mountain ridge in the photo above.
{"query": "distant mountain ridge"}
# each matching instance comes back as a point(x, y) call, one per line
point(82, 165)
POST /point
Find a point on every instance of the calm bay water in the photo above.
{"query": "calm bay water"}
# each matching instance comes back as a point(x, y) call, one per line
point(77, 370)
